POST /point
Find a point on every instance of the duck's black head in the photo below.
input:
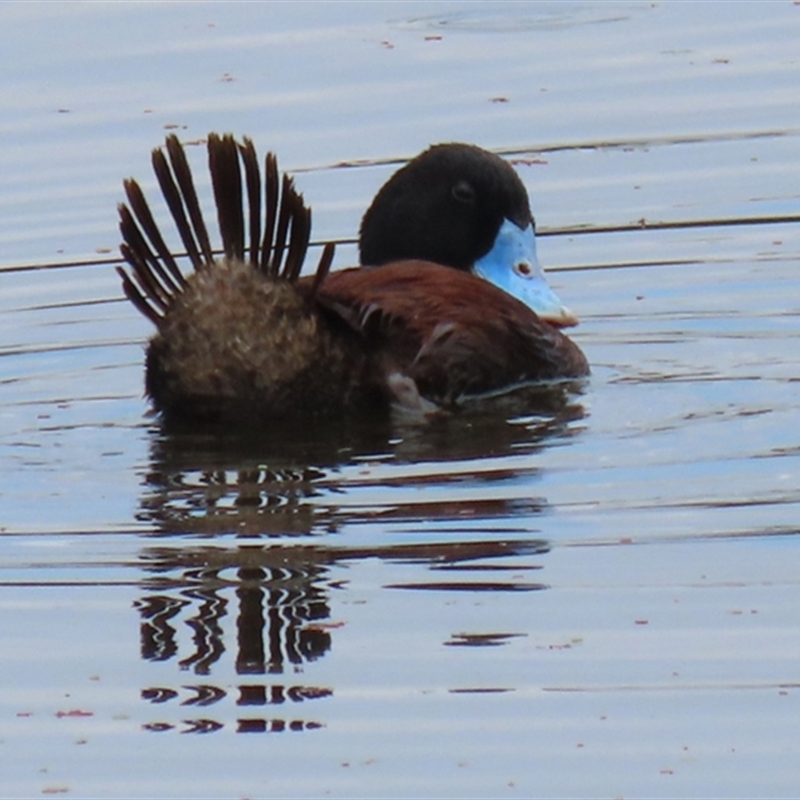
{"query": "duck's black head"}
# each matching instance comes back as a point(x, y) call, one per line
point(444, 206)
point(462, 207)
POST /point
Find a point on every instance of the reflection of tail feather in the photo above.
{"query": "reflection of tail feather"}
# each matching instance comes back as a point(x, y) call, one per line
point(293, 599)
point(256, 695)
point(275, 725)
point(275, 606)
point(242, 726)
point(157, 635)
point(201, 726)
point(249, 695)
point(158, 694)
point(157, 727)
point(205, 695)
point(300, 693)
point(250, 659)
point(207, 631)
point(261, 694)
point(289, 637)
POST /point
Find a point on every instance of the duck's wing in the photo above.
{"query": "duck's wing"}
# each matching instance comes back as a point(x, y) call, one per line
point(156, 280)
point(451, 333)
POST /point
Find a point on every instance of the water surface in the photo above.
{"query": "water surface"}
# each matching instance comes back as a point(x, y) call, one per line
point(590, 591)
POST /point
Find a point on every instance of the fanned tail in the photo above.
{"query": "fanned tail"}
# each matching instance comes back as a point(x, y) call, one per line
point(155, 279)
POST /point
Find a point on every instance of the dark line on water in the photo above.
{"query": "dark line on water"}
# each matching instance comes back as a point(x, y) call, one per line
point(471, 587)
point(70, 584)
point(637, 226)
point(664, 225)
point(632, 143)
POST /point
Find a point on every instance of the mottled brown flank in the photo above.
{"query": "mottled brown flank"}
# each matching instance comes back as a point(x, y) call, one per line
point(236, 343)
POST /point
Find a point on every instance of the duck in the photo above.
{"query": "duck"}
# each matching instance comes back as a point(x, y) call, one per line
point(448, 303)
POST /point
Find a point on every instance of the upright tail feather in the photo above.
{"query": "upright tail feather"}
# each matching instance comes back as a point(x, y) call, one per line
point(155, 279)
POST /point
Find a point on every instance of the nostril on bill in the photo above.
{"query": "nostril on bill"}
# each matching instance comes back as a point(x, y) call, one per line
point(523, 268)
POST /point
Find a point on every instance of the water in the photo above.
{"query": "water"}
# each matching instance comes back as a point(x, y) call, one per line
point(588, 593)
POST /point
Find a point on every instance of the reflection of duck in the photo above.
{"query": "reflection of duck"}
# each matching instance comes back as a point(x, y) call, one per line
point(244, 338)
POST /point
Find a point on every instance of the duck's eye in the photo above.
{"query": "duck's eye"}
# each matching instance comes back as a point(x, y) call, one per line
point(463, 192)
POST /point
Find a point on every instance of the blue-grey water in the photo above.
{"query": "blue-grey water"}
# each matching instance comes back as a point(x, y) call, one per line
point(586, 594)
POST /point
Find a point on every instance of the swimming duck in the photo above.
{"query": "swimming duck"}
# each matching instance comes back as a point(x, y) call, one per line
point(450, 301)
